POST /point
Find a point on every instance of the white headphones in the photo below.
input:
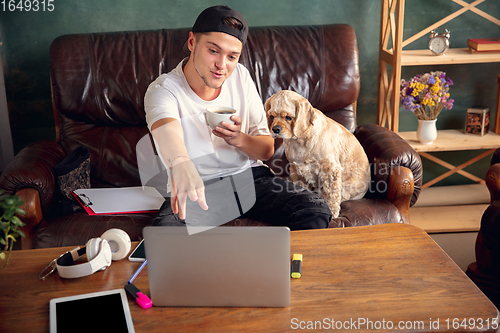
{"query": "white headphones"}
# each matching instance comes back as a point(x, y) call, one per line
point(114, 244)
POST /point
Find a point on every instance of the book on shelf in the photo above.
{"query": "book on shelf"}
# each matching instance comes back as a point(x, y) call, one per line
point(484, 44)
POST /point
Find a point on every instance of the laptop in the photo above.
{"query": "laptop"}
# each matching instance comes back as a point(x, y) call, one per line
point(222, 266)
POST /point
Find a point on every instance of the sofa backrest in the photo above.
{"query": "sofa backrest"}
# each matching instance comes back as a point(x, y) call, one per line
point(99, 81)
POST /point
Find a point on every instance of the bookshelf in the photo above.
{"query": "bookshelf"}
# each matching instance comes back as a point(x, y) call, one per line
point(391, 54)
point(446, 217)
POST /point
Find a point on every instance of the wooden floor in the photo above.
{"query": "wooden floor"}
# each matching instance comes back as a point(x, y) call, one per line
point(456, 208)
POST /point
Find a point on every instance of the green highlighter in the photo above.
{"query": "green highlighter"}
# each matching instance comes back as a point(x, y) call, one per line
point(296, 266)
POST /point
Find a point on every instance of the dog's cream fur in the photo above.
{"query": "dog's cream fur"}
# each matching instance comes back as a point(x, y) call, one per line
point(324, 156)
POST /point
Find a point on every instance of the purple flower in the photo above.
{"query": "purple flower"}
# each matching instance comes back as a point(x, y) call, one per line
point(449, 104)
point(439, 99)
point(407, 102)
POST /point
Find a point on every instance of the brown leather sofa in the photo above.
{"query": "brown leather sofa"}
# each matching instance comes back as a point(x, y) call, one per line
point(98, 84)
point(485, 272)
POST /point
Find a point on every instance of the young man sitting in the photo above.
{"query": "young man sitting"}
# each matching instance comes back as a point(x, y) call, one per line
point(200, 158)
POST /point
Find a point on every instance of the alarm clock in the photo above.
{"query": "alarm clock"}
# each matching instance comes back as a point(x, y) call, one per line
point(439, 43)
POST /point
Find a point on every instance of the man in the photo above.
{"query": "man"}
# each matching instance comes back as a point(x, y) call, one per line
point(197, 157)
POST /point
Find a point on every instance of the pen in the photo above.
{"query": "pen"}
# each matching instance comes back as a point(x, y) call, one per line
point(138, 271)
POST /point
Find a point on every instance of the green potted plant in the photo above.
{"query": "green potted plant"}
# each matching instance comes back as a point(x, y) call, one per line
point(10, 205)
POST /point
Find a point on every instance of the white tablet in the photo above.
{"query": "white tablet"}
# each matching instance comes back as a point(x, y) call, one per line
point(105, 311)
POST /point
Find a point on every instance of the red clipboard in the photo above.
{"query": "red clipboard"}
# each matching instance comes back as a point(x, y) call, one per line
point(152, 206)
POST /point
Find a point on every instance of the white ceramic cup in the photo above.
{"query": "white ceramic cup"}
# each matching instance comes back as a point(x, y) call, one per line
point(217, 114)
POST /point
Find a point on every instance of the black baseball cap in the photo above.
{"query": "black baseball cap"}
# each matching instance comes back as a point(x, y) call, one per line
point(212, 20)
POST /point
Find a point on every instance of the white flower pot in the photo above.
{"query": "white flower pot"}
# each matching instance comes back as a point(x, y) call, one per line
point(426, 132)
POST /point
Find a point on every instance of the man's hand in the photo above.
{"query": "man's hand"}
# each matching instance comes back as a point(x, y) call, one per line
point(257, 147)
point(231, 133)
point(186, 182)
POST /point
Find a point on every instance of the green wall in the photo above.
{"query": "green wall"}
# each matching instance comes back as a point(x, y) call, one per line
point(25, 39)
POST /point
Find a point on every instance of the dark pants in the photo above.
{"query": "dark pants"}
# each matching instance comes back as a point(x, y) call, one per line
point(275, 201)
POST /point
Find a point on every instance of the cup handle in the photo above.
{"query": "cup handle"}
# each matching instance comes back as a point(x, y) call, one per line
point(202, 117)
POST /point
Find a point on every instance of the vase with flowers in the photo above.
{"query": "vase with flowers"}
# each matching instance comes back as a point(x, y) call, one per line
point(426, 96)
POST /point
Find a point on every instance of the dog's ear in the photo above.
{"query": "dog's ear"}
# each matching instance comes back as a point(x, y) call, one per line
point(304, 118)
point(267, 107)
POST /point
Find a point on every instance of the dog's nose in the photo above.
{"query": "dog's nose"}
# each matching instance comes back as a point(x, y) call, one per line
point(277, 129)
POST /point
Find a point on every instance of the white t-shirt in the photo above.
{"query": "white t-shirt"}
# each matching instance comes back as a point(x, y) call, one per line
point(170, 96)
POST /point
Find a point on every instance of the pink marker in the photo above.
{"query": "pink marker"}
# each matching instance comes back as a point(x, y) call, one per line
point(141, 299)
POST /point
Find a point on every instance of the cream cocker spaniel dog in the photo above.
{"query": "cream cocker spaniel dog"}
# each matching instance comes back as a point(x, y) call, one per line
point(324, 156)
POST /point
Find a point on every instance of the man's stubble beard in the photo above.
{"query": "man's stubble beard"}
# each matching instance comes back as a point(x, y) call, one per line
point(201, 76)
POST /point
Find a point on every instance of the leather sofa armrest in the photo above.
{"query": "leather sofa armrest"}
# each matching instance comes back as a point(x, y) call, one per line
point(371, 211)
point(32, 168)
point(487, 245)
point(400, 190)
point(33, 215)
point(493, 182)
point(495, 158)
point(387, 150)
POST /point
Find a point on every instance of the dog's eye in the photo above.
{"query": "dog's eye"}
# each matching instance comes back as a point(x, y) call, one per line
point(288, 118)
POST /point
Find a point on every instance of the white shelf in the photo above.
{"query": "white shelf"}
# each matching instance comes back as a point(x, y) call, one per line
point(451, 57)
point(453, 140)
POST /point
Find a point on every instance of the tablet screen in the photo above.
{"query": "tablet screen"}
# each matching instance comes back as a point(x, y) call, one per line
point(96, 312)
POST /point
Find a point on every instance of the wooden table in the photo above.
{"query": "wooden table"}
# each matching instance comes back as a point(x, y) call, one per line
point(361, 278)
